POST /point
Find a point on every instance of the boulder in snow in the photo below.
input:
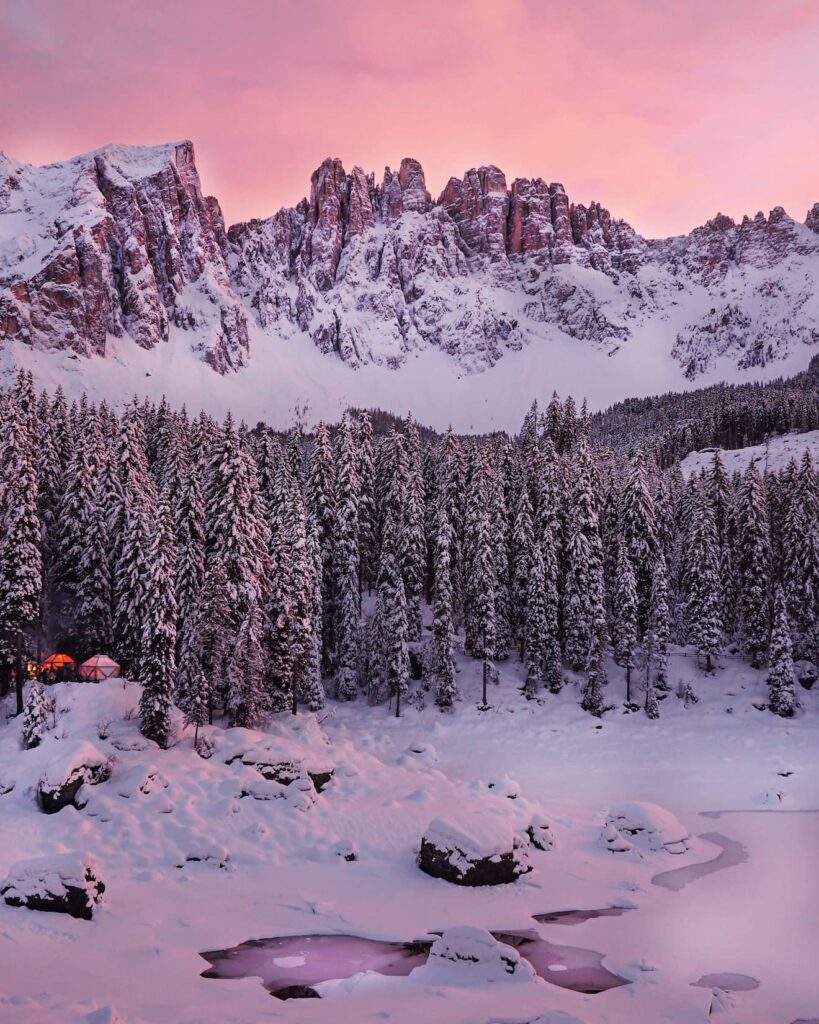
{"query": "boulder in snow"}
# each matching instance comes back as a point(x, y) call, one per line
point(644, 825)
point(65, 884)
point(78, 765)
point(482, 852)
point(470, 956)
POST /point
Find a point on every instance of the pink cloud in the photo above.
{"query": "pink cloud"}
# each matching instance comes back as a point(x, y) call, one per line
point(664, 112)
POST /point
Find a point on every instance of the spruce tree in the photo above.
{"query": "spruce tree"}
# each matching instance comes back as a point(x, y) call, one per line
point(393, 614)
point(753, 564)
point(413, 552)
point(321, 505)
point(702, 587)
point(624, 631)
point(535, 632)
point(346, 566)
point(158, 653)
point(193, 694)
point(20, 559)
point(479, 567)
point(443, 631)
point(781, 696)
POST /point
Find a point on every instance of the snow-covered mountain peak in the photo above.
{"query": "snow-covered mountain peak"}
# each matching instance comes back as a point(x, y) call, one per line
point(122, 243)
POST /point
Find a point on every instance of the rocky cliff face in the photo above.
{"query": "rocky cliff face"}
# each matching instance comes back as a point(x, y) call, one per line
point(122, 241)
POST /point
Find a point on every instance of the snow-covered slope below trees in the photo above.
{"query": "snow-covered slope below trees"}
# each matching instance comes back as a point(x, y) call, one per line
point(190, 864)
point(376, 294)
point(775, 455)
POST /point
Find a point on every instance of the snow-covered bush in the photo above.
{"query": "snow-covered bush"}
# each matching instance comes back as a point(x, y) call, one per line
point(35, 715)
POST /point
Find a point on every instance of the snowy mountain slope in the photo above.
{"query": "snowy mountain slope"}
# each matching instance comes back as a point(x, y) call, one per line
point(117, 253)
point(772, 456)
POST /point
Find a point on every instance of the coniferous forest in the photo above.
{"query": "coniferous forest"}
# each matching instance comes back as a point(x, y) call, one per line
point(237, 572)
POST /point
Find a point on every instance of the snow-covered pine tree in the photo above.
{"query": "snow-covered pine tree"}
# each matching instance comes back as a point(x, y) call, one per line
point(500, 530)
point(94, 626)
point(189, 531)
point(321, 505)
point(132, 580)
point(214, 625)
point(35, 715)
point(158, 654)
point(522, 555)
point(346, 565)
point(624, 626)
point(413, 539)
point(450, 487)
point(20, 560)
point(753, 556)
point(392, 612)
point(443, 630)
point(246, 698)
point(800, 544)
point(584, 588)
point(552, 659)
point(479, 567)
point(781, 696)
point(658, 633)
point(535, 629)
point(592, 701)
point(309, 686)
point(702, 585)
point(638, 532)
point(193, 695)
point(367, 517)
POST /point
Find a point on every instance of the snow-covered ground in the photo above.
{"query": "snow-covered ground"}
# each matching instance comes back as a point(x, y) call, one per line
point(272, 863)
point(774, 455)
point(289, 378)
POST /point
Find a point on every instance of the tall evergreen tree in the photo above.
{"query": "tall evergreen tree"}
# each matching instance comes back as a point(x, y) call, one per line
point(782, 698)
point(347, 565)
point(158, 654)
point(624, 632)
point(443, 631)
point(753, 564)
point(702, 597)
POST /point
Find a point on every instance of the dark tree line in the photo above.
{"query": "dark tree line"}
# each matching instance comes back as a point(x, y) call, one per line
point(724, 415)
point(241, 572)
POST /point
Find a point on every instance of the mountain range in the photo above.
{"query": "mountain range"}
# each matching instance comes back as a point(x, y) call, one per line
point(119, 250)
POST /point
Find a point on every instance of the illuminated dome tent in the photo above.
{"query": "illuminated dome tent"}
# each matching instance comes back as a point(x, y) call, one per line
point(54, 662)
point(98, 667)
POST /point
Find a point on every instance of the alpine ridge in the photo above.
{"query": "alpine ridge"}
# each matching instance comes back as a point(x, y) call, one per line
point(122, 242)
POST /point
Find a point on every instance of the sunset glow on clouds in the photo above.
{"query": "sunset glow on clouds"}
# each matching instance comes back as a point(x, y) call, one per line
point(664, 111)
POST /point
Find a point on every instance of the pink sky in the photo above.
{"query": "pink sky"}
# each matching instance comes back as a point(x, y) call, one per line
point(664, 110)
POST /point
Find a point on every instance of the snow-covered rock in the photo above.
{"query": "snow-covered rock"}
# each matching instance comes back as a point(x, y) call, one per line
point(540, 833)
point(480, 851)
point(645, 825)
point(79, 764)
point(471, 956)
point(67, 883)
